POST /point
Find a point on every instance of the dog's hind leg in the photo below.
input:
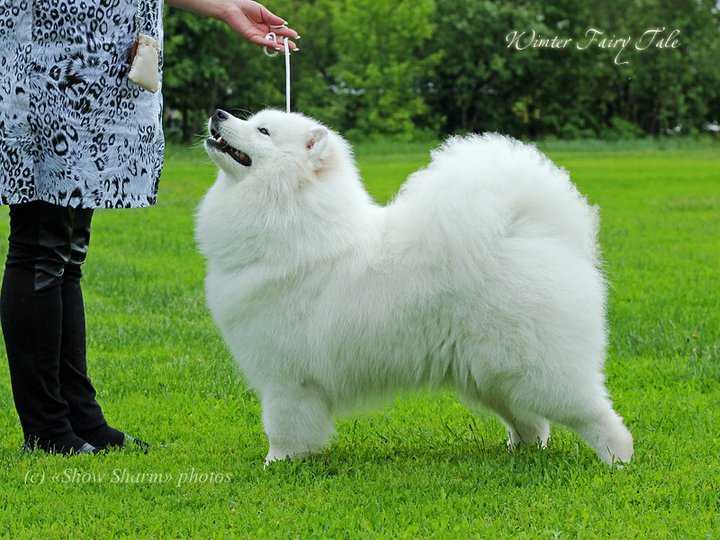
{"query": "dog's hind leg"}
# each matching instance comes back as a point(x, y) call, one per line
point(583, 407)
point(297, 421)
point(523, 427)
point(529, 429)
point(605, 431)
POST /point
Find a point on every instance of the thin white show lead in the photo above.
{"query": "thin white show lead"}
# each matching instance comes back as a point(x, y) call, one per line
point(270, 52)
point(287, 76)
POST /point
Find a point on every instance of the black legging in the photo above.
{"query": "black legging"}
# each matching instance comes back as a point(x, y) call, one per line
point(43, 321)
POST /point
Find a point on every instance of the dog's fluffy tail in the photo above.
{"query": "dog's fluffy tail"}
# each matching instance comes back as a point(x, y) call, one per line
point(491, 187)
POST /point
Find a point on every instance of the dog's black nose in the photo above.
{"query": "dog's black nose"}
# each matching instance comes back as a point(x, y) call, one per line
point(220, 115)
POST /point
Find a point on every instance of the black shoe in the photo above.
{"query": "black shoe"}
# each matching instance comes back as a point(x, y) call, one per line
point(106, 438)
point(66, 446)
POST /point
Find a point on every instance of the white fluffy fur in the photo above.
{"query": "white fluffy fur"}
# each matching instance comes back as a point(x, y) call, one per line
point(483, 274)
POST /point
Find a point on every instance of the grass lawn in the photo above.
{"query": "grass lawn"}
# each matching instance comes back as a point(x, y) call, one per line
point(424, 466)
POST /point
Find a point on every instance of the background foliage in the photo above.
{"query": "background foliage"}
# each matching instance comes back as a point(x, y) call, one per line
point(414, 69)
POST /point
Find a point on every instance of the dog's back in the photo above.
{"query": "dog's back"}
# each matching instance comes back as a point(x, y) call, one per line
point(492, 187)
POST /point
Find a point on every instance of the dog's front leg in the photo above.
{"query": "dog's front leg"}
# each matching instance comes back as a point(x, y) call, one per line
point(297, 421)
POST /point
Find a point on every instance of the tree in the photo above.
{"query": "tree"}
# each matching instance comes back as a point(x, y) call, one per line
point(419, 69)
point(382, 59)
point(195, 70)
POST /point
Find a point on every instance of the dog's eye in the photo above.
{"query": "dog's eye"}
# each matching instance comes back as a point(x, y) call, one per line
point(264, 131)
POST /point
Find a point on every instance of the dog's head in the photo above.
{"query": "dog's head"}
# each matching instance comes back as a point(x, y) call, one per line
point(286, 182)
point(271, 147)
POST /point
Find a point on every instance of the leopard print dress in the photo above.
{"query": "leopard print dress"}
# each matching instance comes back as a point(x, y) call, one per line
point(74, 130)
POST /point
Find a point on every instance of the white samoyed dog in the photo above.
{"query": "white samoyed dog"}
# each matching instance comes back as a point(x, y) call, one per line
point(483, 274)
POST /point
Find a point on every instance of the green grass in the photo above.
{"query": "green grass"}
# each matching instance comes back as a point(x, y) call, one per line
point(424, 466)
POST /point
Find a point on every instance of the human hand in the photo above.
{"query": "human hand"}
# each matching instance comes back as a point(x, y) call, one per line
point(254, 21)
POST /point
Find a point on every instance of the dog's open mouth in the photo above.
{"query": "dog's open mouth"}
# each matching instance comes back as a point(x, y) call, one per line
point(216, 142)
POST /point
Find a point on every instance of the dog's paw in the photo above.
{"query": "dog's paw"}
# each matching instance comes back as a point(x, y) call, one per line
point(276, 454)
point(538, 435)
point(513, 440)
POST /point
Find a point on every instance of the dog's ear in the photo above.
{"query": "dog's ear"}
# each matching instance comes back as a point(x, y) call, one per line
point(317, 145)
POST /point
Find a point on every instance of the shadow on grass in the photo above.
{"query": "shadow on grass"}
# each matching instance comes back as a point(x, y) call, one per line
point(464, 464)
